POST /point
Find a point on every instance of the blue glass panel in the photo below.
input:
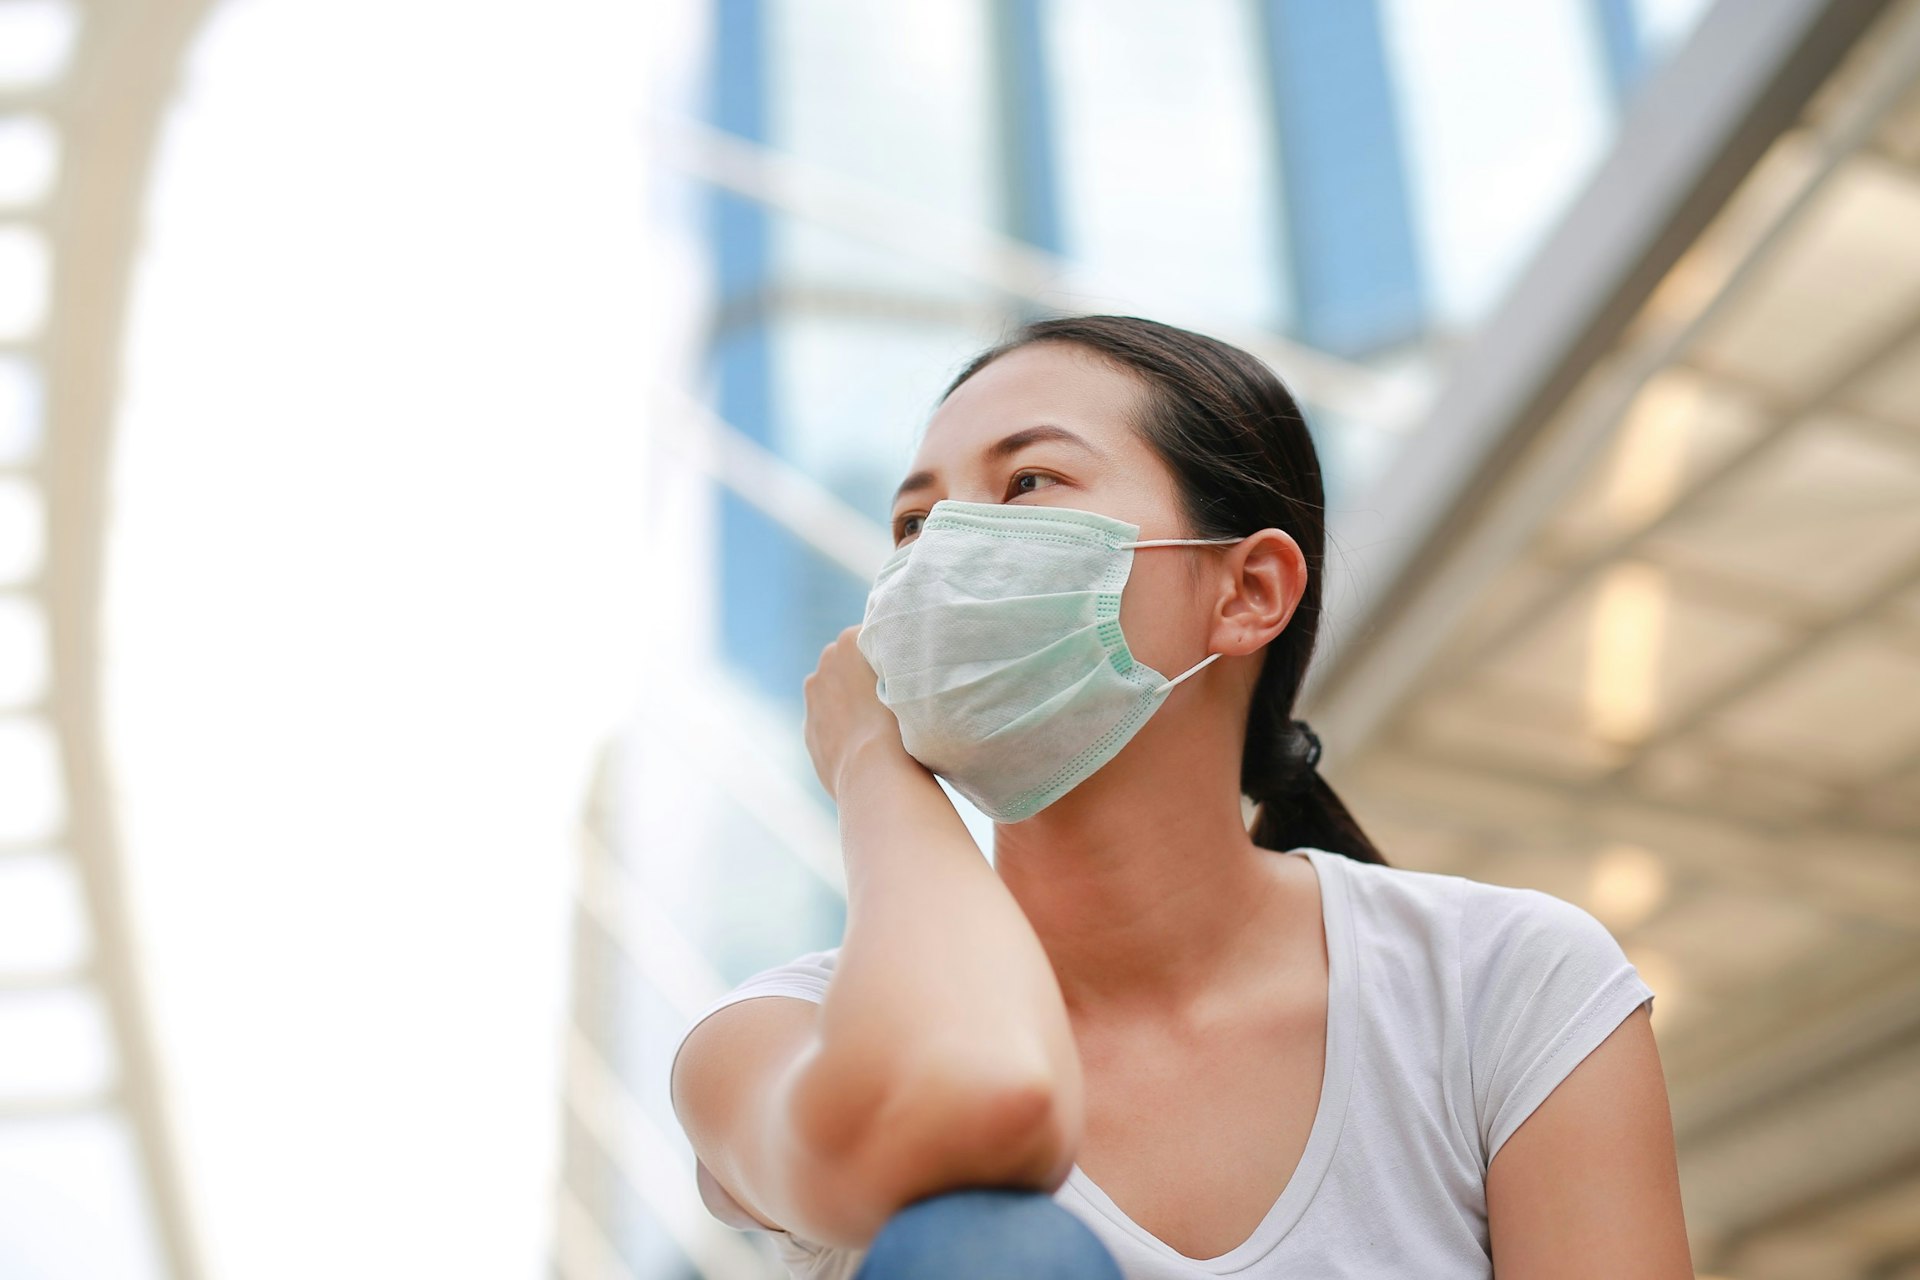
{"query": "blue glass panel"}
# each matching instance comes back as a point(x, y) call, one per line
point(1356, 276)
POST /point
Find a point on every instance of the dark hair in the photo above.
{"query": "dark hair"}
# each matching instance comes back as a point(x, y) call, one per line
point(1238, 446)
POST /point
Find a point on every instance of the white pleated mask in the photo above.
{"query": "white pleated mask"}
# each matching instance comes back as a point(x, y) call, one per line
point(996, 637)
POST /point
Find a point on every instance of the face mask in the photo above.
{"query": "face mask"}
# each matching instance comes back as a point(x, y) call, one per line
point(996, 637)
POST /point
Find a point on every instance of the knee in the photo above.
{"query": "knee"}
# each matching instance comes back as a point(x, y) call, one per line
point(986, 1231)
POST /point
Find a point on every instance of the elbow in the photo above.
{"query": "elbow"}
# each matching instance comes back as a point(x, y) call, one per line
point(952, 1125)
point(1027, 1138)
point(920, 1137)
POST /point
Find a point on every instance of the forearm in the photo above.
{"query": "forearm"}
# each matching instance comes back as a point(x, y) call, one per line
point(941, 984)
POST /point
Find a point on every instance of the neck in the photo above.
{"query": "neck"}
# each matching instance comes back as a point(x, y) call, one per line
point(1142, 883)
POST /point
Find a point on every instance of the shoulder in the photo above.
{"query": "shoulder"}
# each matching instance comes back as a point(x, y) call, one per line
point(1522, 947)
point(805, 976)
point(808, 969)
point(1543, 983)
point(1494, 923)
point(1490, 928)
point(1534, 982)
point(1400, 906)
point(1506, 930)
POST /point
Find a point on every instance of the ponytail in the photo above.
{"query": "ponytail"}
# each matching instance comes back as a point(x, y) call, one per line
point(1295, 807)
point(1308, 815)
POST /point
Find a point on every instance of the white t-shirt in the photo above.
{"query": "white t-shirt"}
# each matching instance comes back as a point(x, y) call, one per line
point(1454, 1008)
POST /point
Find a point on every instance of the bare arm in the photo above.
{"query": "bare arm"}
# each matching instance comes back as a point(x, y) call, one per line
point(942, 1055)
point(1589, 1185)
point(941, 982)
point(942, 989)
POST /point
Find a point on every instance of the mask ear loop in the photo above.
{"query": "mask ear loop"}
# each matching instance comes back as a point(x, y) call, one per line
point(1191, 671)
point(1185, 542)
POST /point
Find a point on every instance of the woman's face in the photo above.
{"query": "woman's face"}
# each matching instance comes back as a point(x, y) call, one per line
point(1046, 426)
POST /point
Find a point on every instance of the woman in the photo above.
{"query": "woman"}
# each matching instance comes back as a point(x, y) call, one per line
point(1144, 1040)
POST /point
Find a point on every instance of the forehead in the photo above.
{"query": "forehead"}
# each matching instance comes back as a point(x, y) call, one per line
point(1044, 382)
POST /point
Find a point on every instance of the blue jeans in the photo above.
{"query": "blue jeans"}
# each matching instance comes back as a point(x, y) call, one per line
point(986, 1233)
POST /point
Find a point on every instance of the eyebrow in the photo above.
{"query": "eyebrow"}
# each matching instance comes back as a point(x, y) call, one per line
point(1001, 449)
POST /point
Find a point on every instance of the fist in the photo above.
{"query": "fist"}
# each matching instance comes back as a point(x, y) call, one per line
point(844, 714)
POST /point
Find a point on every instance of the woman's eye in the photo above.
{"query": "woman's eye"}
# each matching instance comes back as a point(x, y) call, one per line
point(906, 526)
point(1030, 475)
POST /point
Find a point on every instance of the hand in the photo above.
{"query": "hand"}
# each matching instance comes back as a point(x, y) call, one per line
point(844, 714)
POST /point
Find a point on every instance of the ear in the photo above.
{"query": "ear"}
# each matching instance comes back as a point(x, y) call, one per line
point(1265, 577)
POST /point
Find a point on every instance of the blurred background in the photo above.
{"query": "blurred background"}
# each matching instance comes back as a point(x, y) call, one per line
point(437, 438)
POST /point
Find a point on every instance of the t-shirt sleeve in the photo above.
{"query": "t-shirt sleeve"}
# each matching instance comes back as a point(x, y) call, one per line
point(804, 977)
point(1543, 983)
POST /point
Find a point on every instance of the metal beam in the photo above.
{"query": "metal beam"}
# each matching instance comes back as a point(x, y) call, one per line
point(1857, 878)
point(124, 74)
point(1821, 1143)
point(1788, 421)
point(1696, 130)
point(1765, 671)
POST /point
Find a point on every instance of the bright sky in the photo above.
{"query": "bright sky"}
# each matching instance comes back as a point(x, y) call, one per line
point(374, 598)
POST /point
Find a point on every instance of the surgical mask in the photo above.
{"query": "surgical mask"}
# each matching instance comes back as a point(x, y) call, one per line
point(996, 637)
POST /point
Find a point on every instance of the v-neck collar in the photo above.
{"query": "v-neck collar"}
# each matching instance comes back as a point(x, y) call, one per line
point(1336, 915)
